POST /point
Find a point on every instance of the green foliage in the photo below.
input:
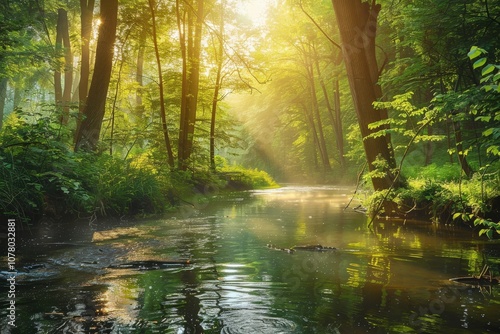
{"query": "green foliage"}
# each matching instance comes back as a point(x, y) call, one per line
point(39, 172)
point(247, 178)
point(434, 172)
point(407, 121)
point(41, 175)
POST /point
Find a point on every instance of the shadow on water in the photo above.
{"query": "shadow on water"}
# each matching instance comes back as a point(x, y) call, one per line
point(210, 271)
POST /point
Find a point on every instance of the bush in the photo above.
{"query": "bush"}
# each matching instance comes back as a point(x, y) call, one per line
point(242, 178)
point(40, 175)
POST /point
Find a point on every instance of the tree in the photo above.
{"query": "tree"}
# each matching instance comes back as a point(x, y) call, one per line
point(63, 97)
point(190, 20)
point(90, 127)
point(357, 23)
point(160, 84)
point(87, 14)
point(218, 83)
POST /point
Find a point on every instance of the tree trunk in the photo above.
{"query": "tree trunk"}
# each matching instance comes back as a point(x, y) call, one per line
point(140, 74)
point(63, 98)
point(316, 117)
point(332, 114)
point(58, 95)
point(90, 128)
point(339, 133)
point(170, 156)
point(310, 121)
point(3, 96)
point(191, 53)
point(87, 14)
point(218, 83)
point(357, 23)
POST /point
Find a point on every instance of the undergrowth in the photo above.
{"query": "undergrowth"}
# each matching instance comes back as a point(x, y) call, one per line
point(42, 177)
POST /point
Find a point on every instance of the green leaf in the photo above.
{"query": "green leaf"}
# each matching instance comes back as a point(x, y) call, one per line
point(489, 234)
point(456, 215)
point(487, 70)
point(486, 78)
point(478, 63)
point(483, 119)
point(65, 190)
point(474, 52)
point(494, 150)
point(488, 132)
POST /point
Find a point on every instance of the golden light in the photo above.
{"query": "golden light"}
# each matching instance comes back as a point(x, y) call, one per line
point(255, 10)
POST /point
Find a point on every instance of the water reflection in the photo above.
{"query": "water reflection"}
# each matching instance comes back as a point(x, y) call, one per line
point(392, 278)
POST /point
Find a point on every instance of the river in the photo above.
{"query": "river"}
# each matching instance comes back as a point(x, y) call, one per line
point(129, 276)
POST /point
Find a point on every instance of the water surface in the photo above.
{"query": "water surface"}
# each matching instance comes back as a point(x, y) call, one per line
point(390, 278)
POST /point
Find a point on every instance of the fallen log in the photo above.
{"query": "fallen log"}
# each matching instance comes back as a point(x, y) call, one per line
point(150, 264)
point(313, 248)
point(482, 279)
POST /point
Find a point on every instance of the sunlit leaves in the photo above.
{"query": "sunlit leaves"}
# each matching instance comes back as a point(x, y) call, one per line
point(479, 63)
point(407, 120)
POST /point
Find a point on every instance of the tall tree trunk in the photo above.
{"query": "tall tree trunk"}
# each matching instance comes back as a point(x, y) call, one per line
point(87, 14)
point(3, 96)
point(58, 95)
point(90, 128)
point(316, 116)
point(218, 83)
point(336, 122)
point(339, 133)
point(191, 52)
point(357, 21)
point(312, 128)
point(139, 74)
point(170, 156)
point(63, 97)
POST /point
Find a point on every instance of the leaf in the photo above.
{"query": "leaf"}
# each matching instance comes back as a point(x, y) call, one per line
point(488, 132)
point(483, 119)
point(456, 215)
point(486, 78)
point(494, 150)
point(65, 190)
point(474, 52)
point(487, 69)
point(478, 63)
point(483, 231)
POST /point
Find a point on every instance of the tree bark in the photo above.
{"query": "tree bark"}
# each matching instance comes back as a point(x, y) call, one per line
point(339, 133)
point(357, 23)
point(90, 128)
point(170, 156)
point(87, 14)
point(140, 74)
point(3, 96)
point(191, 53)
point(218, 83)
point(63, 97)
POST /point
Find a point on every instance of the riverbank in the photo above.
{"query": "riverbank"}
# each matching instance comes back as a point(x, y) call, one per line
point(40, 183)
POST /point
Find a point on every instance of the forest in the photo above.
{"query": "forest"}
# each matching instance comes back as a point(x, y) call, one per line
point(112, 108)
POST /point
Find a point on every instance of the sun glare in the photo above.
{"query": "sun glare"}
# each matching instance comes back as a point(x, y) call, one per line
point(255, 10)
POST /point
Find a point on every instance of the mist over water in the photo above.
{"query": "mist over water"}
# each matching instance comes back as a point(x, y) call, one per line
point(393, 278)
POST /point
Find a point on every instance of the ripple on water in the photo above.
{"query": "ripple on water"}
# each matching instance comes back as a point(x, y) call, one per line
point(263, 325)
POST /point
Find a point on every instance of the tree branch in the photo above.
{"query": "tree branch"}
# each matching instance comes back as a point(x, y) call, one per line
point(318, 26)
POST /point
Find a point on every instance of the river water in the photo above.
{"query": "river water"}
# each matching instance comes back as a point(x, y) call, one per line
point(124, 277)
